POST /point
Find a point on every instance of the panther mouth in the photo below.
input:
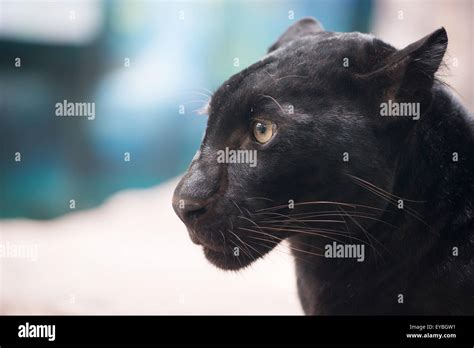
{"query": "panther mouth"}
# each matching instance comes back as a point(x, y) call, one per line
point(198, 239)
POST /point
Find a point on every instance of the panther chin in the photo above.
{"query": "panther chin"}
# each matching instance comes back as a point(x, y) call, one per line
point(230, 256)
point(227, 260)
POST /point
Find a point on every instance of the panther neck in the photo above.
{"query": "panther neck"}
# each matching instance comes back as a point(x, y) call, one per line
point(436, 163)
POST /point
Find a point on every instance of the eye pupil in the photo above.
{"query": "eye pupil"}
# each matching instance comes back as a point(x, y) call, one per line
point(261, 128)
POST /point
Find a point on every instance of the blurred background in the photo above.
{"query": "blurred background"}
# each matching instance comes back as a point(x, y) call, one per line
point(139, 62)
point(148, 66)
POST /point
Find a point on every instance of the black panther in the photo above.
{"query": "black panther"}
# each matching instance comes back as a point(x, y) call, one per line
point(333, 171)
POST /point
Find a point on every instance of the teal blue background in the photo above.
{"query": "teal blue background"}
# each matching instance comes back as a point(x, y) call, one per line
point(173, 62)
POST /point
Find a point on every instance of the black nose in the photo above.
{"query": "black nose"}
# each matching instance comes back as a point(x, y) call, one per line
point(193, 195)
point(188, 210)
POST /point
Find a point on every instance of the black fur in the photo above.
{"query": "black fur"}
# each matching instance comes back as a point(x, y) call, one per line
point(337, 111)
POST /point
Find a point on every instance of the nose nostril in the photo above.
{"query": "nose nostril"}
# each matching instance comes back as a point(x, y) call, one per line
point(195, 213)
point(189, 210)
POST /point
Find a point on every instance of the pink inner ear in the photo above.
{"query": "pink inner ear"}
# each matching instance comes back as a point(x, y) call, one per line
point(205, 109)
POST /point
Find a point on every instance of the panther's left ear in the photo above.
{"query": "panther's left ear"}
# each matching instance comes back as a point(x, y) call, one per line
point(304, 27)
point(409, 73)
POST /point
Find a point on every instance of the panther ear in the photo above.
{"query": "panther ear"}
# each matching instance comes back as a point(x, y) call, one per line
point(409, 73)
point(304, 27)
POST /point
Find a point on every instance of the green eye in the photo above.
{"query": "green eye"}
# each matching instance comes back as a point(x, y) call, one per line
point(263, 130)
